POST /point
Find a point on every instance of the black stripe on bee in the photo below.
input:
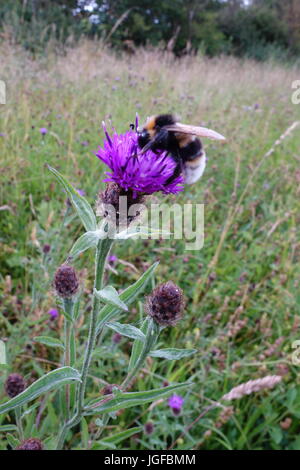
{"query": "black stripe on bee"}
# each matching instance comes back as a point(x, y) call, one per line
point(164, 120)
point(191, 151)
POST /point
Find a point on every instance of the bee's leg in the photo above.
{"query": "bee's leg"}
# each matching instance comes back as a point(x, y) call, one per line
point(177, 170)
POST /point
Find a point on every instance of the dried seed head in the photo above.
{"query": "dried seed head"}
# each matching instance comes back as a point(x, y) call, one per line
point(65, 281)
point(165, 304)
point(30, 444)
point(115, 203)
point(14, 385)
point(252, 386)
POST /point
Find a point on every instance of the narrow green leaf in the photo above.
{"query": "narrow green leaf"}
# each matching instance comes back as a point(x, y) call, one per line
point(63, 305)
point(80, 204)
point(76, 310)
point(138, 346)
point(48, 341)
point(86, 241)
point(127, 400)
point(8, 427)
point(128, 297)
point(101, 445)
point(30, 409)
point(2, 353)
point(53, 379)
point(110, 296)
point(72, 364)
point(120, 436)
point(172, 353)
point(50, 443)
point(12, 440)
point(84, 433)
point(127, 330)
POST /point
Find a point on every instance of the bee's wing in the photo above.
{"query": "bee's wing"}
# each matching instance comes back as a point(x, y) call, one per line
point(195, 130)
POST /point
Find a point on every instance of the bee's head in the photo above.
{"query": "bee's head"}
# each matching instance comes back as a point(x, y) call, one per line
point(143, 137)
point(152, 127)
point(146, 133)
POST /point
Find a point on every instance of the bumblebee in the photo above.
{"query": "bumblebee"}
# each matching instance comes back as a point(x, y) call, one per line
point(181, 141)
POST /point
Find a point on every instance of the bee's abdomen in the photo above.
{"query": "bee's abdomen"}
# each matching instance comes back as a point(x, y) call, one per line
point(191, 151)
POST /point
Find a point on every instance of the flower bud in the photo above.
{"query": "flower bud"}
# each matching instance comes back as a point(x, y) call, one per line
point(30, 444)
point(148, 428)
point(165, 304)
point(65, 281)
point(109, 388)
point(14, 385)
point(115, 203)
point(116, 338)
point(46, 249)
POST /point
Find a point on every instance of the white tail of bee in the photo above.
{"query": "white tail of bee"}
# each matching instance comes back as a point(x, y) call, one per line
point(194, 170)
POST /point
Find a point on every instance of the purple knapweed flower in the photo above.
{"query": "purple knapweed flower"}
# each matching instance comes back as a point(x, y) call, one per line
point(84, 143)
point(53, 313)
point(175, 403)
point(43, 130)
point(146, 173)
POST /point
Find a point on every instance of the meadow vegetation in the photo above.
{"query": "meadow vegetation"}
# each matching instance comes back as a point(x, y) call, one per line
point(242, 289)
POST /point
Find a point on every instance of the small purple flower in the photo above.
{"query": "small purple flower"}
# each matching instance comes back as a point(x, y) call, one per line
point(53, 313)
point(112, 259)
point(146, 173)
point(81, 192)
point(175, 403)
point(43, 130)
point(2, 134)
point(84, 143)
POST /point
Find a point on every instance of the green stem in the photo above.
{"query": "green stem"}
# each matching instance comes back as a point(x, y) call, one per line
point(19, 422)
point(151, 333)
point(151, 338)
point(102, 251)
point(68, 307)
point(67, 362)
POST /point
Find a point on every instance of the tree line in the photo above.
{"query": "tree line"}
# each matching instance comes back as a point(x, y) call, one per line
point(246, 28)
